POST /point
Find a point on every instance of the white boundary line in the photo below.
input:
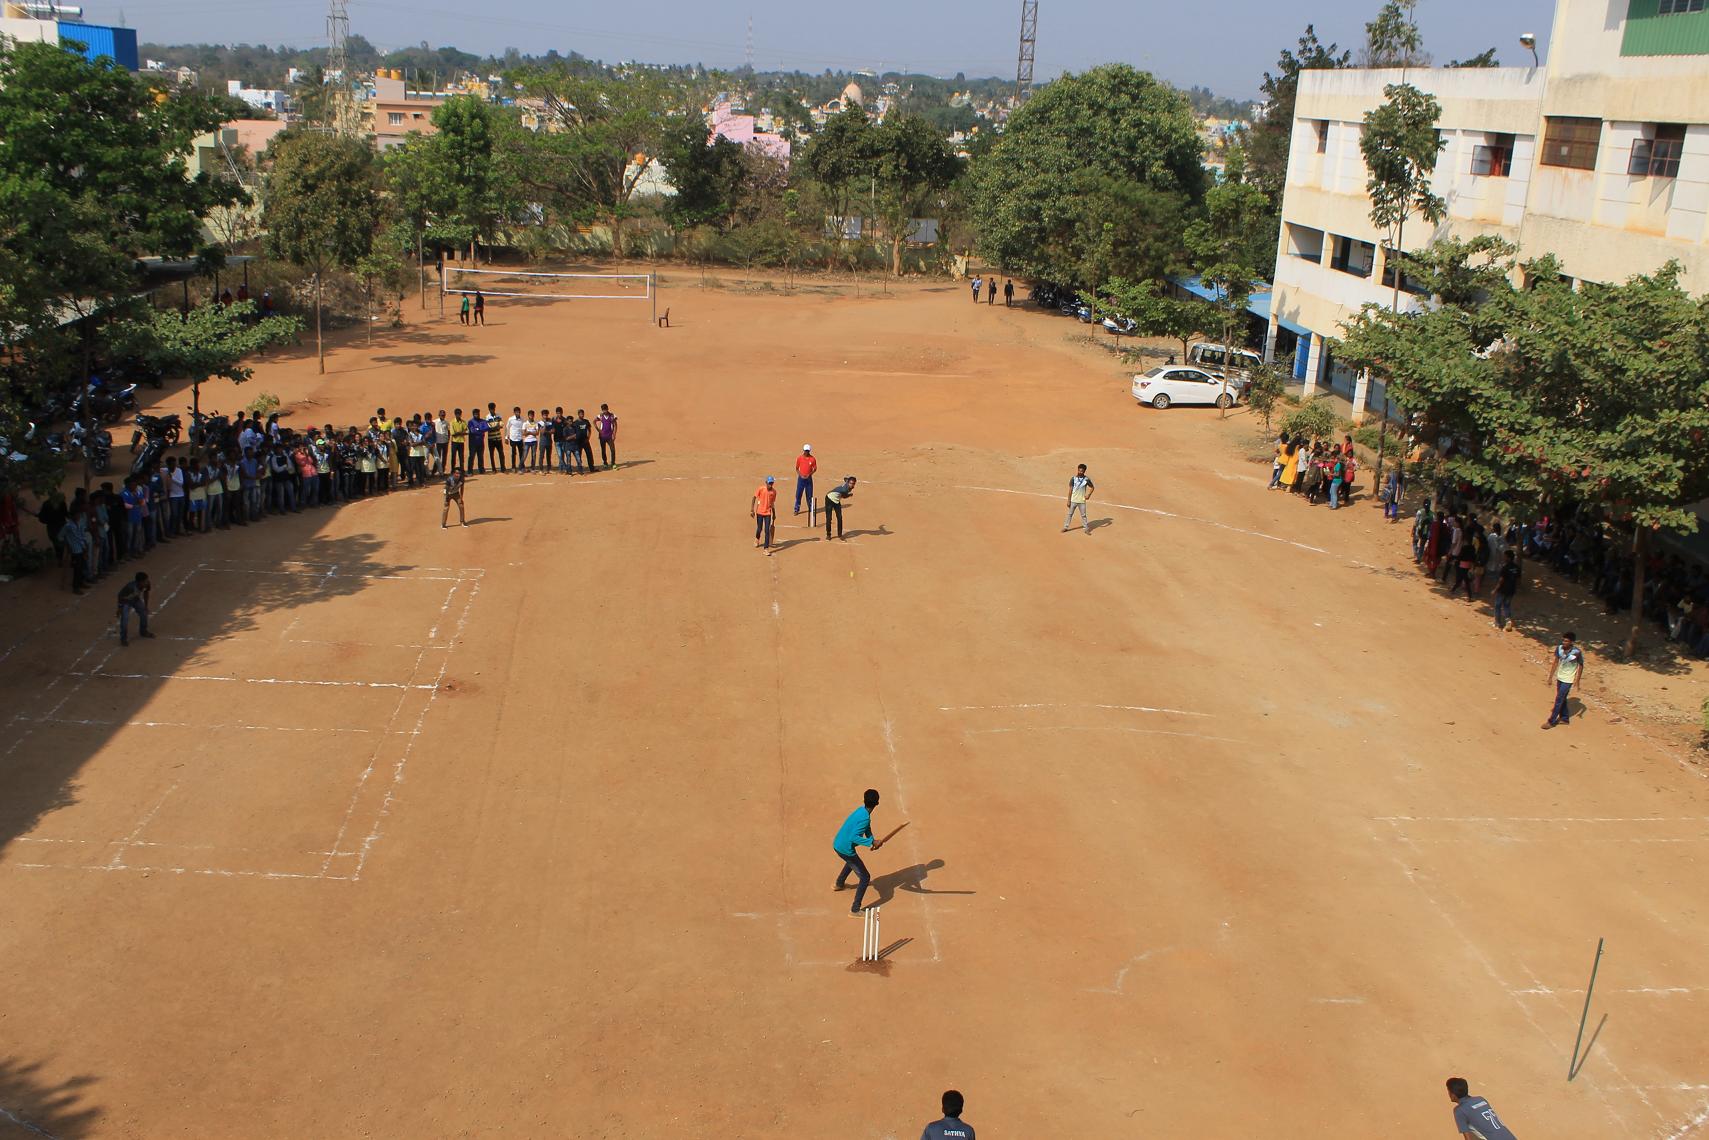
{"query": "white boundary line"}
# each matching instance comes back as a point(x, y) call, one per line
point(1118, 708)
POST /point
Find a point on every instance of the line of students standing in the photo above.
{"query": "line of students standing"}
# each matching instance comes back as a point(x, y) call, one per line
point(431, 445)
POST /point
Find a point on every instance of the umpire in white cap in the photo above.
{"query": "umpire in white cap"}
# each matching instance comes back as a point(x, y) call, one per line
point(805, 465)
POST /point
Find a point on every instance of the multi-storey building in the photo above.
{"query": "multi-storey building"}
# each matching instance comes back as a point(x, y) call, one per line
point(1599, 157)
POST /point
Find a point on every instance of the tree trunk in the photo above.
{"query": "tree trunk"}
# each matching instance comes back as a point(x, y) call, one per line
point(1394, 307)
point(320, 348)
point(1639, 542)
point(617, 236)
point(1227, 357)
point(421, 264)
point(195, 415)
point(896, 255)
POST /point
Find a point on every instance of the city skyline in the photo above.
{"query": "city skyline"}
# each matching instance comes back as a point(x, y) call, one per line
point(1184, 46)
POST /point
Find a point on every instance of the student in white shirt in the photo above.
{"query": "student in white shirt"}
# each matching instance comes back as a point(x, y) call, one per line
point(531, 441)
point(513, 432)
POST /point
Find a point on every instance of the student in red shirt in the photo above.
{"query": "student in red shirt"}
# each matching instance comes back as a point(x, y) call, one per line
point(805, 465)
point(764, 510)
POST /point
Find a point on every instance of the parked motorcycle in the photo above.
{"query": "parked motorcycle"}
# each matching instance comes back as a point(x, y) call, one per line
point(1121, 326)
point(168, 427)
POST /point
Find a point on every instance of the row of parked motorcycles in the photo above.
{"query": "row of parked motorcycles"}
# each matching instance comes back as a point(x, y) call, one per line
point(1067, 302)
point(105, 402)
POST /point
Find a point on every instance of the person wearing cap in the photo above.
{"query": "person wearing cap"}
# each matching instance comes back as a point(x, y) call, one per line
point(805, 465)
point(764, 510)
point(834, 500)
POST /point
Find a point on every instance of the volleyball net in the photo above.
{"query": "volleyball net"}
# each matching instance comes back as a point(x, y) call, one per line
point(550, 286)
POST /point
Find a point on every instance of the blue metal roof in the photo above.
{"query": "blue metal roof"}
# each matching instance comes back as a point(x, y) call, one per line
point(1257, 302)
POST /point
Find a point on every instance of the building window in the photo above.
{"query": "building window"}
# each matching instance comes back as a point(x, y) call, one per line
point(1571, 142)
point(1305, 242)
point(1408, 283)
point(415, 114)
point(1657, 154)
point(1322, 126)
point(1671, 7)
point(395, 118)
point(1495, 158)
point(1353, 256)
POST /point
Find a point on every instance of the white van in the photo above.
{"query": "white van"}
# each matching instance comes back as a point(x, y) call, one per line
point(1216, 357)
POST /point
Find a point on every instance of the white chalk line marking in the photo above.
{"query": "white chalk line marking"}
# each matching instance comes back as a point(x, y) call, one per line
point(84, 722)
point(20, 1121)
point(246, 680)
point(1540, 819)
point(337, 847)
point(1338, 1001)
point(328, 574)
point(913, 837)
point(1101, 728)
point(415, 732)
point(1118, 986)
point(1109, 505)
point(118, 861)
point(1692, 1124)
point(1657, 991)
point(1117, 708)
point(133, 840)
point(1447, 917)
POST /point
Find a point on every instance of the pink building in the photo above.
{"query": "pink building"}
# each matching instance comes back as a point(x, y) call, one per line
point(740, 129)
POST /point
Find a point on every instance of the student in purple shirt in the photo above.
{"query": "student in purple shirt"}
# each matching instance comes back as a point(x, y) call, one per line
point(1472, 1114)
point(606, 424)
point(951, 1127)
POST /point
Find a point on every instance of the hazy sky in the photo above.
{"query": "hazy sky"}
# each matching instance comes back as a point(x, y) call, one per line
point(1225, 46)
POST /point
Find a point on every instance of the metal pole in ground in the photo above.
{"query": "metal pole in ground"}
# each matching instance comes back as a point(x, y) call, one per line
point(653, 289)
point(1572, 1068)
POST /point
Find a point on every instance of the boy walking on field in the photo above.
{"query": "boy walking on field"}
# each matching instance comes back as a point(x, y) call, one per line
point(764, 510)
point(1080, 490)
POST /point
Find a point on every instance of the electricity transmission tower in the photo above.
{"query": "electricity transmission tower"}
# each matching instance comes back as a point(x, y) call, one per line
point(1029, 37)
point(341, 113)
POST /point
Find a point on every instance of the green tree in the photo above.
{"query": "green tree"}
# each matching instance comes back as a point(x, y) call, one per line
point(708, 175)
point(1109, 145)
point(839, 160)
point(1228, 245)
point(1269, 141)
point(605, 131)
point(93, 175)
point(1157, 313)
point(1313, 420)
point(1597, 395)
point(322, 207)
point(1400, 144)
point(462, 148)
point(1392, 39)
point(1485, 58)
point(1265, 387)
point(208, 341)
point(913, 166)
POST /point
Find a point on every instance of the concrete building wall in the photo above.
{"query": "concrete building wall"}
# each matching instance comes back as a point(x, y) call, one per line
point(1602, 224)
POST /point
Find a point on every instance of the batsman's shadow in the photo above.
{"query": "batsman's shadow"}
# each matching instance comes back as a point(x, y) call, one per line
point(910, 879)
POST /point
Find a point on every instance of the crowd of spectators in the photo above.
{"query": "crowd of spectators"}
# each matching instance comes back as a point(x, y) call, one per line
point(259, 469)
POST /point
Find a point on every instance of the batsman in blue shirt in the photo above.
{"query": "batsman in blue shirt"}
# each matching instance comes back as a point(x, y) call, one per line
point(856, 831)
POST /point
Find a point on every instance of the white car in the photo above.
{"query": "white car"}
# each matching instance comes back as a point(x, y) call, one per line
point(1181, 384)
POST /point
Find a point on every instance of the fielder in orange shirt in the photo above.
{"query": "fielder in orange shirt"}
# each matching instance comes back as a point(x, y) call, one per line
point(764, 511)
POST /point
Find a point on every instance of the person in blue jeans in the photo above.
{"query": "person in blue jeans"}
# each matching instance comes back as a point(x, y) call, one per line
point(1566, 668)
point(133, 595)
point(1506, 585)
point(856, 831)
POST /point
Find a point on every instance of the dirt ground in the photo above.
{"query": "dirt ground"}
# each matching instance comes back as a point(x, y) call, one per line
point(1222, 823)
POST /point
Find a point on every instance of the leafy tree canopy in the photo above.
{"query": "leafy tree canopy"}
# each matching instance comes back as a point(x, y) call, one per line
point(1112, 146)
